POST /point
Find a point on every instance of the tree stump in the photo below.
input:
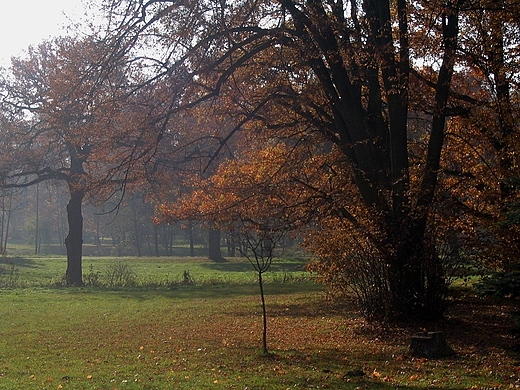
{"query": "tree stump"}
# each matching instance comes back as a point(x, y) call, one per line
point(431, 345)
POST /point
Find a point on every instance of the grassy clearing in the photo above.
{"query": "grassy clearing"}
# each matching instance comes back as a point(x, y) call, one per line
point(208, 335)
point(149, 271)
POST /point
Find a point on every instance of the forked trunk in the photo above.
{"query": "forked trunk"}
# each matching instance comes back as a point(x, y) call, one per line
point(415, 274)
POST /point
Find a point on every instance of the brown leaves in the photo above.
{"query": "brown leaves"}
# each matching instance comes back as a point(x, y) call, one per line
point(72, 116)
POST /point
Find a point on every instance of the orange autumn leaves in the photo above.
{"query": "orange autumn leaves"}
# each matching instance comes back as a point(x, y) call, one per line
point(277, 184)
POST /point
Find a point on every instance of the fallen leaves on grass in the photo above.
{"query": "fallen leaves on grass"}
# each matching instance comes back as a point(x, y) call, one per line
point(308, 338)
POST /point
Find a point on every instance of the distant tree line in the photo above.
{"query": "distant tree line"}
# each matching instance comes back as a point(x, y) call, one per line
point(130, 231)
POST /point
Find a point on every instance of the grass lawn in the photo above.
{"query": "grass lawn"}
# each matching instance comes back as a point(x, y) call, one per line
point(47, 270)
point(208, 335)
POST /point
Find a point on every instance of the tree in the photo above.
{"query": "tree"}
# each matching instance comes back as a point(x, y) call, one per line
point(259, 243)
point(361, 79)
point(256, 227)
point(492, 121)
point(214, 238)
point(7, 209)
point(68, 118)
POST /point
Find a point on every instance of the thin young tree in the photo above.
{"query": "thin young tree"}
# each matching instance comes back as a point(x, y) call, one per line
point(258, 247)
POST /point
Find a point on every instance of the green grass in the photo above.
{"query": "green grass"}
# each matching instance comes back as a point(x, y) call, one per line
point(208, 335)
point(46, 270)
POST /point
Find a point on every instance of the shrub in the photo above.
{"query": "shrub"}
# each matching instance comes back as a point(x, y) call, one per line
point(120, 274)
point(361, 274)
point(500, 284)
point(187, 280)
point(9, 277)
point(92, 279)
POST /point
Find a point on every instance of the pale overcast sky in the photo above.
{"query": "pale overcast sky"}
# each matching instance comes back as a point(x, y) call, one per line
point(28, 22)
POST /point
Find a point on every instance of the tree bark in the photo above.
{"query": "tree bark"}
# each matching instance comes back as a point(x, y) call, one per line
point(74, 240)
point(137, 242)
point(231, 251)
point(156, 240)
point(214, 245)
point(437, 134)
point(5, 211)
point(191, 239)
point(37, 222)
point(404, 271)
point(416, 278)
point(264, 313)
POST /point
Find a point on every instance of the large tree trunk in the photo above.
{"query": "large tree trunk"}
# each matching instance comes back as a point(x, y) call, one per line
point(74, 240)
point(214, 252)
point(416, 277)
point(404, 271)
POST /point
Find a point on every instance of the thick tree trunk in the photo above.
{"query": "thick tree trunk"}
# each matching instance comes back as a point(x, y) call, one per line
point(416, 277)
point(74, 240)
point(214, 252)
point(231, 251)
point(404, 271)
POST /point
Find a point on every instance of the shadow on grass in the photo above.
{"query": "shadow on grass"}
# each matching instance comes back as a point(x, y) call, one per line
point(317, 308)
point(219, 291)
point(20, 262)
point(324, 370)
point(242, 265)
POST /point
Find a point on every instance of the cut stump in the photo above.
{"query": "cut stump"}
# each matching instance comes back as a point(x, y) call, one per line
point(431, 345)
